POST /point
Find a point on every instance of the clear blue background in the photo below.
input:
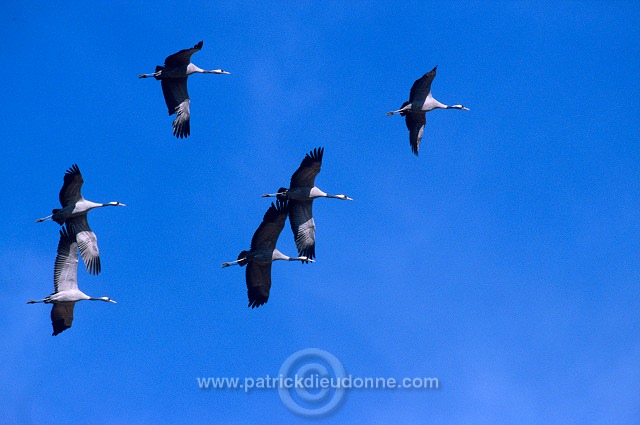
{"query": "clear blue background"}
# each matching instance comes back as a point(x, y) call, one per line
point(504, 260)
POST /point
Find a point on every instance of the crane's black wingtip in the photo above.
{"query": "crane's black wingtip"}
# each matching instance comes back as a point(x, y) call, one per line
point(59, 326)
point(73, 170)
point(281, 205)
point(309, 252)
point(199, 45)
point(315, 155)
point(67, 234)
point(257, 302)
point(282, 193)
point(181, 130)
point(93, 266)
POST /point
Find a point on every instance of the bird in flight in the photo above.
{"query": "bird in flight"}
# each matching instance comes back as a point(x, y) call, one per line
point(415, 109)
point(173, 79)
point(74, 212)
point(262, 253)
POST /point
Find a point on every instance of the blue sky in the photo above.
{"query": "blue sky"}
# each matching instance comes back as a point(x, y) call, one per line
point(503, 260)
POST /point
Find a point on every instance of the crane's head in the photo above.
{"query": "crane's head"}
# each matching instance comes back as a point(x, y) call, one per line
point(107, 299)
point(217, 71)
point(116, 204)
point(458, 107)
point(343, 197)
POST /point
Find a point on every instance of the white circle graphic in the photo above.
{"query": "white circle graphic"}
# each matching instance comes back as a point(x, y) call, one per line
point(315, 388)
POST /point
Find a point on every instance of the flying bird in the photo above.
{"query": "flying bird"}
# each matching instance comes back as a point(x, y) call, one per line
point(301, 193)
point(262, 253)
point(420, 102)
point(74, 212)
point(65, 282)
point(173, 78)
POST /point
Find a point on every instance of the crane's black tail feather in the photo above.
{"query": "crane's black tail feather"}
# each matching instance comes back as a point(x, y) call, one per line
point(242, 257)
point(158, 69)
point(56, 219)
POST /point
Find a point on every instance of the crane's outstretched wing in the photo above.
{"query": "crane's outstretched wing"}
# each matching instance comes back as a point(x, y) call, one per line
point(70, 192)
point(176, 97)
point(422, 87)
point(87, 242)
point(415, 124)
point(65, 269)
point(258, 283)
point(266, 236)
point(182, 123)
point(61, 317)
point(183, 57)
point(303, 226)
point(305, 175)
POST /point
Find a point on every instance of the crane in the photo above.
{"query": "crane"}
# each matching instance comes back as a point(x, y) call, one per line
point(173, 79)
point(74, 212)
point(415, 109)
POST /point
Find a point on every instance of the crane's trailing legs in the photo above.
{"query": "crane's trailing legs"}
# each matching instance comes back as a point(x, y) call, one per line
point(155, 74)
point(49, 217)
point(274, 195)
point(405, 108)
point(233, 263)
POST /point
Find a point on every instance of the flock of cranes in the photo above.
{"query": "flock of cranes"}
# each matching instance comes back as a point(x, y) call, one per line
point(75, 235)
point(295, 202)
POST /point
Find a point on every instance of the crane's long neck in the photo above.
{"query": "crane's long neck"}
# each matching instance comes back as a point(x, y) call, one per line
point(301, 259)
point(105, 299)
point(84, 205)
point(277, 255)
point(458, 107)
point(431, 103)
point(342, 197)
point(438, 105)
point(88, 205)
point(192, 69)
